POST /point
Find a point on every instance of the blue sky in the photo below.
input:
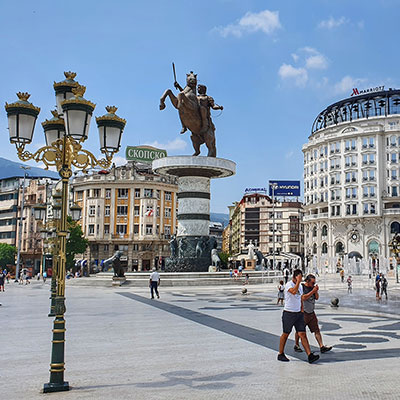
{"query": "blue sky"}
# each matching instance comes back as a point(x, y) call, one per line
point(272, 65)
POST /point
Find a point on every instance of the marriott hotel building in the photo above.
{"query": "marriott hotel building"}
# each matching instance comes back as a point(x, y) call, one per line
point(352, 177)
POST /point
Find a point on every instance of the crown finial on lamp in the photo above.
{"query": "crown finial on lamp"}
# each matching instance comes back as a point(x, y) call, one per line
point(79, 91)
point(111, 109)
point(24, 96)
point(70, 75)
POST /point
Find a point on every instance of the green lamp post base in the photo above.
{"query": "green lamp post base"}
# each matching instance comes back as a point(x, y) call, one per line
point(55, 387)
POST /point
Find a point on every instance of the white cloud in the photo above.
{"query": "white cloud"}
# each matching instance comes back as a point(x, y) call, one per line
point(331, 22)
point(346, 84)
point(289, 154)
point(318, 61)
point(265, 21)
point(118, 161)
point(173, 145)
point(298, 75)
point(295, 57)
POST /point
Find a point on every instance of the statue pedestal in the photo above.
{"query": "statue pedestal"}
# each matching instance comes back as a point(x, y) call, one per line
point(194, 245)
point(118, 281)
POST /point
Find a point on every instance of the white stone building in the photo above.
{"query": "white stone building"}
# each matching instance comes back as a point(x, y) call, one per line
point(352, 177)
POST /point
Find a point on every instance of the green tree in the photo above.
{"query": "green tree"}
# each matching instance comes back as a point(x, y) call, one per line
point(7, 254)
point(224, 258)
point(76, 243)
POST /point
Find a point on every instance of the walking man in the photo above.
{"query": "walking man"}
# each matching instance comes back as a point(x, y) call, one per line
point(310, 294)
point(384, 285)
point(293, 317)
point(154, 282)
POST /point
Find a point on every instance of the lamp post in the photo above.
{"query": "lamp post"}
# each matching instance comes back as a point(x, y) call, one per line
point(394, 246)
point(65, 134)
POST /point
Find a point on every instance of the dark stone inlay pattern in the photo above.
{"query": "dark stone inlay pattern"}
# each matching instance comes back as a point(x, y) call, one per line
point(182, 217)
point(264, 339)
point(193, 195)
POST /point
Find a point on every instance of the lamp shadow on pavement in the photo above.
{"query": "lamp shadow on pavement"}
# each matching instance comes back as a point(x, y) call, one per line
point(188, 378)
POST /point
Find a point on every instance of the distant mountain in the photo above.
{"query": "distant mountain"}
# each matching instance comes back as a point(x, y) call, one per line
point(220, 217)
point(11, 169)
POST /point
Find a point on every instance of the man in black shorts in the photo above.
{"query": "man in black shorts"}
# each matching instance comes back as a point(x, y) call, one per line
point(310, 294)
point(293, 317)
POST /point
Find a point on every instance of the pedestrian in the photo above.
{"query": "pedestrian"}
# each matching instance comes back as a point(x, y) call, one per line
point(384, 284)
point(310, 294)
point(378, 287)
point(292, 316)
point(349, 285)
point(281, 293)
point(342, 275)
point(230, 273)
point(8, 277)
point(21, 278)
point(286, 275)
point(240, 270)
point(154, 283)
point(44, 276)
point(246, 279)
point(2, 278)
point(235, 274)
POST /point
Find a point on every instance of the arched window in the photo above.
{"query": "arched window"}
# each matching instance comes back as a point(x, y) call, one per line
point(315, 248)
point(395, 227)
point(339, 248)
point(314, 231)
point(373, 247)
point(324, 230)
point(324, 248)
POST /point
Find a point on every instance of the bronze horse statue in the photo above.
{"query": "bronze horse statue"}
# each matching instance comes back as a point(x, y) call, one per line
point(190, 114)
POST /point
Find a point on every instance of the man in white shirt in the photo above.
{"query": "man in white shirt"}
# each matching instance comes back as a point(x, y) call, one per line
point(293, 317)
point(154, 282)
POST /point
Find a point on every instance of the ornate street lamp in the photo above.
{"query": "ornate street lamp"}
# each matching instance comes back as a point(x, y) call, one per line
point(64, 151)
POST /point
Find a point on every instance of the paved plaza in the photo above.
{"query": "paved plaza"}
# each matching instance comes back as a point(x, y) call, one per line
point(197, 343)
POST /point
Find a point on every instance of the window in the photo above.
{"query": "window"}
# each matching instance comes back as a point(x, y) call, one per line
point(148, 192)
point(394, 191)
point(122, 210)
point(314, 231)
point(167, 212)
point(149, 210)
point(137, 211)
point(92, 211)
point(135, 247)
point(167, 231)
point(108, 193)
point(106, 247)
point(324, 230)
point(96, 193)
point(136, 229)
point(79, 195)
point(137, 193)
point(394, 174)
point(149, 229)
point(107, 211)
point(121, 229)
point(123, 193)
point(324, 248)
point(106, 229)
point(91, 229)
point(393, 158)
point(168, 196)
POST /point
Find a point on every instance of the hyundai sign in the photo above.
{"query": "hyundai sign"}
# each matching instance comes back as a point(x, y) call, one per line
point(285, 188)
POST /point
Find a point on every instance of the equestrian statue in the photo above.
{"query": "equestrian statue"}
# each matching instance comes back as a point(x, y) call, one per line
point(193, 105)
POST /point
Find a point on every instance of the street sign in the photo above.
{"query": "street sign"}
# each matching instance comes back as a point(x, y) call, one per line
point(145, 154)
point(285, 188)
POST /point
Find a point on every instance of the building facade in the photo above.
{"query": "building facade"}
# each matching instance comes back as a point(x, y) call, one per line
point(130, 209)
point(252, 220)
point(352, 177)
point(9, 209)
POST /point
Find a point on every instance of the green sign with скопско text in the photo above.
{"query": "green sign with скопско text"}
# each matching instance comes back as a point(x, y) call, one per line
point(145, 154)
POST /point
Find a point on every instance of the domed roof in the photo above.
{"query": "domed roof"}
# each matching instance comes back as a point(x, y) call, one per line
point(371, 104)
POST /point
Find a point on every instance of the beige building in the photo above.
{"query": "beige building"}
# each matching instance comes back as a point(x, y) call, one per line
point(252, 220)
point(128, 208)
point(37, 191)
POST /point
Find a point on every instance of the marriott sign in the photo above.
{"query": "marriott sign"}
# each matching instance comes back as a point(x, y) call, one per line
point(357, 92)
